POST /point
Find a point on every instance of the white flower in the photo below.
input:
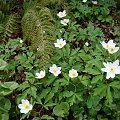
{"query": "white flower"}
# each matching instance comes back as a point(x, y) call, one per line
point(86, 43)
point(60, 43)
point(21, 41)
point(111, 69)
point(64, 22)
point(73, 73)
point(84, 1)
point(113, 50)
point(94, 2)
point(62, 14)
point(40, 75)
point(108, 45)
point(25, 107)
point(55, 70)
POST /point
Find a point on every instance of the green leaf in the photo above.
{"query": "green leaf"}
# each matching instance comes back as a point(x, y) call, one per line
point(46, 117)
point(96, 79)
point(3, 64)
point(109, 96)
point(93, 71)
point(85, 57)
point(5, 106)
point(36, 118)
point(49, 104)
point(93, 101)
point(74, 98)
point(68, 93)
point(78, 96)
point(115, 84)
point(23, 86)
point(82, 34)
point(4, 116)
point(100, 90)
point(85, 80)
point(7, 87)
point(33, 90)
point(30, 77)
point(61, 109)
point(49, 96)
point(44, 92)
point(74, 52)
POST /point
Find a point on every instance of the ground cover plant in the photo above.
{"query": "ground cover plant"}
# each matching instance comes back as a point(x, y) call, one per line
point(59, 60)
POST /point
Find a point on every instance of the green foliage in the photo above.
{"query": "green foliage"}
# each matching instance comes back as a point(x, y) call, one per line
point(9, 22)
point(38, 29)
point(11, 26)
point(2, 64)
point(89, 96)
point(5, 106)
point(7, 87)
point(83, 12)
point(108, 3)
point(61, 109)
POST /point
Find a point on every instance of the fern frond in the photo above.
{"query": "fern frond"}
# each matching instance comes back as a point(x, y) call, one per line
point(11, 25)
point(38, 29)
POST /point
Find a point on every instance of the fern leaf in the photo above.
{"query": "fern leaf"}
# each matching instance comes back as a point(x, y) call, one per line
point(38, 29)
point(11, 25)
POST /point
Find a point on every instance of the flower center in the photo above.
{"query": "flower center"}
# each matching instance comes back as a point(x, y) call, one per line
point(42, 75)
point(107, 46)
point(112, 49)
point(26, 107)
point(60, 44)
point(112, 69)
point(55, 71)
point(61, 14)
point(65, 22)
point(73, 74)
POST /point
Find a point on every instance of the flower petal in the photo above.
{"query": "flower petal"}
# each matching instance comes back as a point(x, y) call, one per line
point(116, 63)
point(104, 69)
point(117, 70)
point(110, 75)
